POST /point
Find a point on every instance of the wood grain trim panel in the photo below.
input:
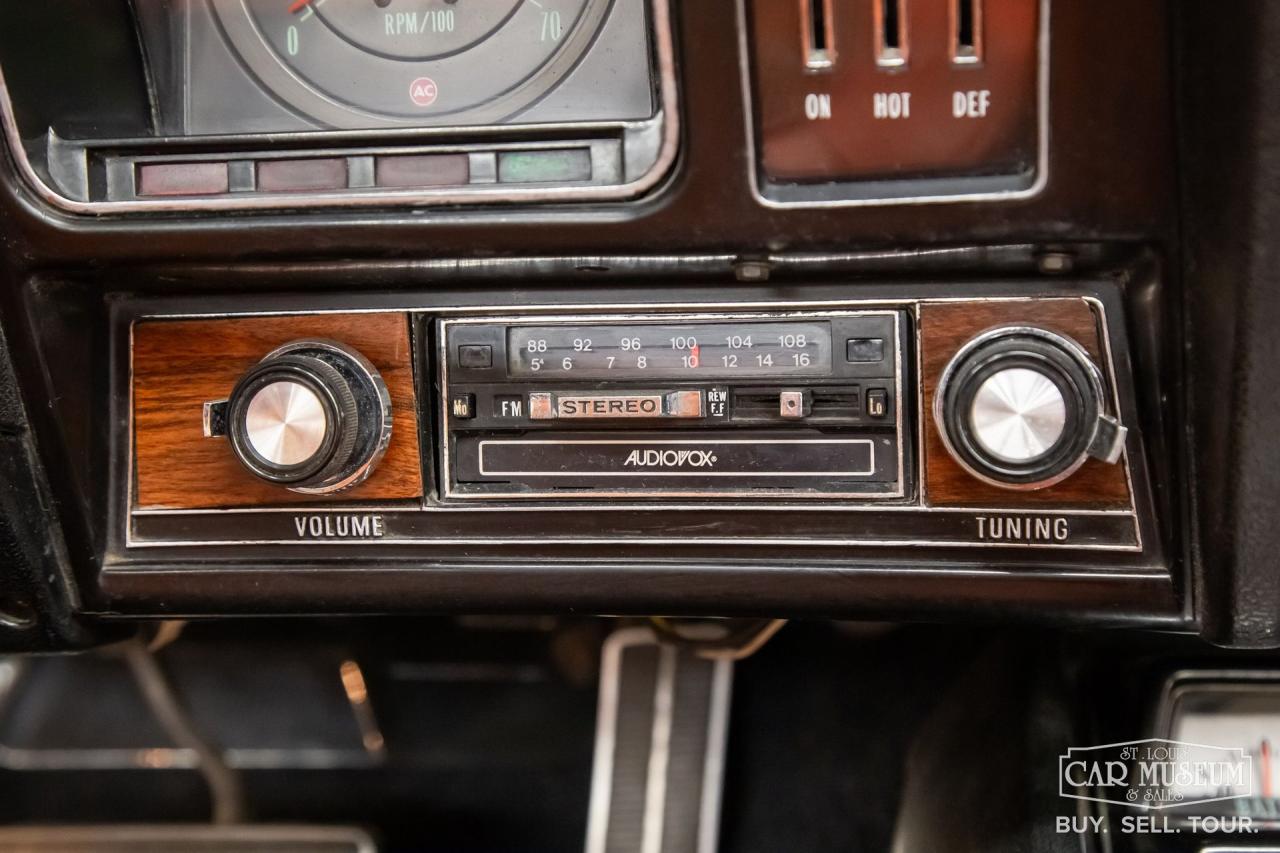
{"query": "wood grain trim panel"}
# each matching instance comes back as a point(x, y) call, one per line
point(947, 326)
point(180, 364)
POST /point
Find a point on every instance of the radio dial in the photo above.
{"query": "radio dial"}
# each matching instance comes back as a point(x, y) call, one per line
point(313, 416)
point(1023, 408)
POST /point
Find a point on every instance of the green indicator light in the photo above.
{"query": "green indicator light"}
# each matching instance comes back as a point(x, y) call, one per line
point(535, 167)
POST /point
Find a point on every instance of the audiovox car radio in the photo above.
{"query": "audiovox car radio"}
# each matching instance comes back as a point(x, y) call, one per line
point(782, 406)
point(953, 421)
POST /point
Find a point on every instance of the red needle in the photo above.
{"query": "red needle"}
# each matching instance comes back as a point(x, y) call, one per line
point(296, 5)
point(694, 352)
point(1265, 751)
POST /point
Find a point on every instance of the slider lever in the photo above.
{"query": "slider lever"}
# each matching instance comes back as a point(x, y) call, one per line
point(795, 404)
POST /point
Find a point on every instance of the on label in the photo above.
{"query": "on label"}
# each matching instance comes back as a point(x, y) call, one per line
point(817, 107)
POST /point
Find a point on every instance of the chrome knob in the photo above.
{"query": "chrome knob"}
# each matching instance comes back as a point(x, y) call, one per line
point(1018, 414)
point(1023, 408)
point(313, 416)
point(286, 423)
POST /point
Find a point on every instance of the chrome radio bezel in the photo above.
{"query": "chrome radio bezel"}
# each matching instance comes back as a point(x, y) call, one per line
point(905, 480)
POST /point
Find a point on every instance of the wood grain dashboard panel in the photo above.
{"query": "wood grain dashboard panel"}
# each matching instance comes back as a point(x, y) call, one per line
point(178, 365)
point(947, 326)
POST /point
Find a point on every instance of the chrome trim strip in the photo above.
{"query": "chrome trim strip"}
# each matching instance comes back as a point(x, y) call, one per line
point(1108, 357)
point(640, 541)
point(314, 509)
point(720, 540)
point(24, 760)
point(713, 769)
point(655, 782)
point(606, 734)
point(242, 837)
point(1042, 159)
point(601, 312)
point(668, 115)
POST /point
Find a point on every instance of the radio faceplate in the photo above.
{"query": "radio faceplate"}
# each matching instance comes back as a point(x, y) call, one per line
point(853, 452)
point(782, 406)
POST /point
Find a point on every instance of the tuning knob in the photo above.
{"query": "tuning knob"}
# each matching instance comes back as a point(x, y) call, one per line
point(313, 416)
point(1023, 408)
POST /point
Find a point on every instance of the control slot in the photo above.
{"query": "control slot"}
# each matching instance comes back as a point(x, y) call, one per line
point(891, 33)
point(817, 34)
point(966, 28)
point(818, 405)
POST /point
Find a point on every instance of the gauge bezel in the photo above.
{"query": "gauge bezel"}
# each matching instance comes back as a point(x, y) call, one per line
point(651, 147)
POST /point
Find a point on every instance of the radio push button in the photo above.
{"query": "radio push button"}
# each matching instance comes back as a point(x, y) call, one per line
point(877, 402)
point(718, 403)
point(463, 406)
point(551, 405)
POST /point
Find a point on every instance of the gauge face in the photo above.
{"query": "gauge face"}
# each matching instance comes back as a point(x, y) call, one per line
point(411, 63)
point(1244, 716)
point(416, 30)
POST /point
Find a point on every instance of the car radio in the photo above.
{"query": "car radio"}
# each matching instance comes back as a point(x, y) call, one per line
point(949, 420)
point(795, 405)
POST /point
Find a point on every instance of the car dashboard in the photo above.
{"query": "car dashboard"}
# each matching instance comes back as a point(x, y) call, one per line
point(679, 312)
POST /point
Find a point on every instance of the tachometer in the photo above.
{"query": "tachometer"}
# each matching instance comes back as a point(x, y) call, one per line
point(413, 63)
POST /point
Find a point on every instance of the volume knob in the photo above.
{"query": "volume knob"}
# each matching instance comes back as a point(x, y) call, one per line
point(1024, 408)
point(313, 416)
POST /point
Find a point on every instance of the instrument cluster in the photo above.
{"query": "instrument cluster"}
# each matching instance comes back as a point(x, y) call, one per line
point(267, 104)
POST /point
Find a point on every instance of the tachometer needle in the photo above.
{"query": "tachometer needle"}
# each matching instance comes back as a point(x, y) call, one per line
point(298, 5)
